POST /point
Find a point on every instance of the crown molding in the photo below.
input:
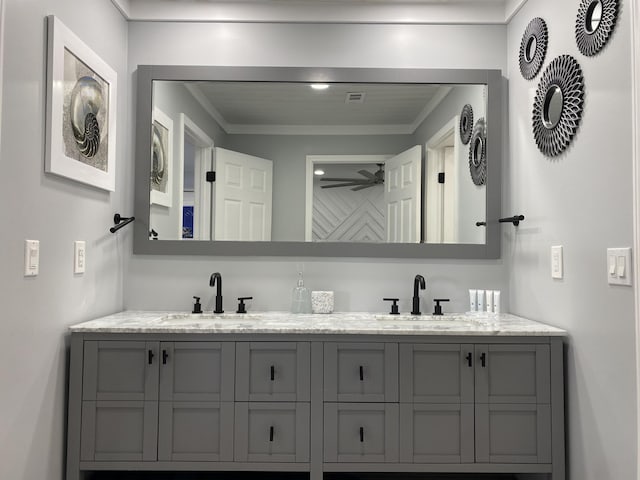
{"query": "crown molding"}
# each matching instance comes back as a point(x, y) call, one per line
point(403, 12)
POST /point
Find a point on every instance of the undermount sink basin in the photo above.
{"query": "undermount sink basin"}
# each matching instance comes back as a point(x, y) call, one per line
point(199, 317)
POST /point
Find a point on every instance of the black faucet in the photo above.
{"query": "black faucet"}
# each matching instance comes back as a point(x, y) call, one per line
point(417, 282)
point(212, 283)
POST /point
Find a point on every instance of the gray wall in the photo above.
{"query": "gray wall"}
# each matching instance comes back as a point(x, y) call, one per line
point(583, 201)
point(56, 211)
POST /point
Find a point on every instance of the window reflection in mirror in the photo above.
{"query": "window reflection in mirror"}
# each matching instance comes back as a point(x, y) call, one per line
point(410, 184)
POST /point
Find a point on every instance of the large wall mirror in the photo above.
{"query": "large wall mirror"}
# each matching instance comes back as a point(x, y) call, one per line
point(317, 162)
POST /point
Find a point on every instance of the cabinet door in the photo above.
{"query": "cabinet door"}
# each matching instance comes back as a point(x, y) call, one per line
point(513, 433)
point(512, 374)
point(196, 371)
point(433, 433)
point(120, 370)
point(272, 432)
point(119, 430)
point(440, 373)
point(361, 372)
point(196, 431)
point(361, 432)
point(273, 371)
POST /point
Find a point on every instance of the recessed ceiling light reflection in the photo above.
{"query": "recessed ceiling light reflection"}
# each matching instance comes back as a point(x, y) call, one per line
point(318, 171)
point(319, 86)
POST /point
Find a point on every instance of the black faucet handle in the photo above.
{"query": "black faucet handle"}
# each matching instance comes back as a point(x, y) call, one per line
point(241, 305)
point(394, 306)
point(437, 309)
point(197, 307)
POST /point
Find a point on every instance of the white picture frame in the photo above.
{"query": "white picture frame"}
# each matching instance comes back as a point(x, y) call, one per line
point(161, 183)
point(81, 111)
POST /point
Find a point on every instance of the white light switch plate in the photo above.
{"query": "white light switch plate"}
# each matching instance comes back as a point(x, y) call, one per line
point(79, 256)
point(619, 266)
point(31, 258)
point(557, 269)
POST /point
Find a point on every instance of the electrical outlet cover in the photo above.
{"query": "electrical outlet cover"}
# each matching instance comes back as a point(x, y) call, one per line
point(557, 268)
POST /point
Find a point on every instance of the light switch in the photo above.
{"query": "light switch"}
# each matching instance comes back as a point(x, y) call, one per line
point(619, 266)
point(620, 270)
point(612, 265)
point(31, 258)
point(556, 262)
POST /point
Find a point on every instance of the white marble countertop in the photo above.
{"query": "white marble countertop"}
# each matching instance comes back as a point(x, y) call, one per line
point(335, 323)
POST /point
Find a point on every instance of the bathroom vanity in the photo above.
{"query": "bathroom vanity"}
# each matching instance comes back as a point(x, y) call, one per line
point(352, 392)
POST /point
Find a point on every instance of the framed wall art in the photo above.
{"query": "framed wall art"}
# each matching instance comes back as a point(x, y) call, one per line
point(81, 110)
point(161, 158)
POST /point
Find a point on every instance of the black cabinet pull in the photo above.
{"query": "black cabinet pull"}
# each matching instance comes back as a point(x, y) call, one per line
point(361, 373)
point(483, 359)
point(165, 355)
point(469, 358)
point(273, 374)
point(271, 434)
point(361, 434)
point(151, 357)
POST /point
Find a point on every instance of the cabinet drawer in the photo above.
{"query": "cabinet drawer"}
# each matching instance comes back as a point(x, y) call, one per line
point(360, 432)
point(439, 373)
point(272, 371)
point(361, 372)
point(507, 433)
point(272, 432)
point(512, 374)
point(119, 431)
point(436, 433)
point(196, 371)
point(195, 431)
point(115, 370)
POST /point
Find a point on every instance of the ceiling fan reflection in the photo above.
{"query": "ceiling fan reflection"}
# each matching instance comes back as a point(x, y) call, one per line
point(369, 180)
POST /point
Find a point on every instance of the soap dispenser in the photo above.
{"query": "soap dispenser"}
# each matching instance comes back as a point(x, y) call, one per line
point(301, 297)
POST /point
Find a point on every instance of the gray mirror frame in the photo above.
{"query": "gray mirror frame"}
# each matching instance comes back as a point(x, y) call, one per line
point(146, 74)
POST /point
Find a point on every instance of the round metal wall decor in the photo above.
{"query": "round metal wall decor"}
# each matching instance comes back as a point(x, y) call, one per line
point(478, 153)
point(557, 106)
point(533, 48)
point(595, 22)
point(466, 123)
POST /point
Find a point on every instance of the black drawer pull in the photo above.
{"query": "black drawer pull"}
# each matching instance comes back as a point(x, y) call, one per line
point(273, 374)
point(151, 357)
point(483, 359)
point(271, 434)
point(469, 358)
point(361, 373)
point(165, 355)
point(361, 434)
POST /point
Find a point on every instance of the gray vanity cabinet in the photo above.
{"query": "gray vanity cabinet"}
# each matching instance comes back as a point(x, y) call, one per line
point(513, 411)
point(437, 403)
point(317, 403)
point(119, 401)
point(195, 421)
point(147, 401)
point(463, 403)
